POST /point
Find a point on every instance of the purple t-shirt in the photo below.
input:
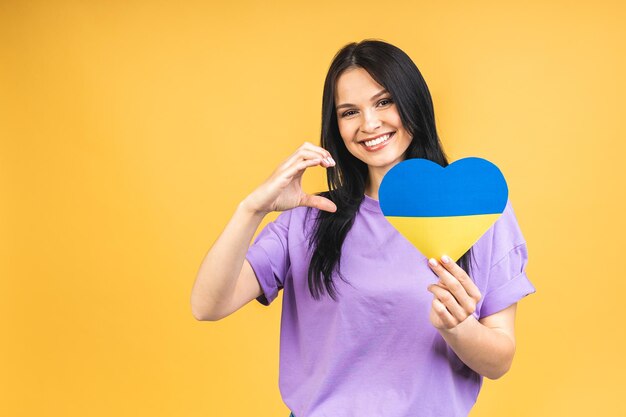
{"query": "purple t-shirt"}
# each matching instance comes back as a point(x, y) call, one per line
point(374, 352)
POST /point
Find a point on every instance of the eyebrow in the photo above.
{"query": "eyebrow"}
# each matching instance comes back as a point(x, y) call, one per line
point(380, 93)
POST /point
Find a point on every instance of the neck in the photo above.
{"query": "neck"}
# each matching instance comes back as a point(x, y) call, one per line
point(374, 178)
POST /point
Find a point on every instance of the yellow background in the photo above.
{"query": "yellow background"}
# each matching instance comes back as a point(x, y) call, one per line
point(130, 130)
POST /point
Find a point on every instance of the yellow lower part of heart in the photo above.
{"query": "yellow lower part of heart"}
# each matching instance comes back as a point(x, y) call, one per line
point(436, 236)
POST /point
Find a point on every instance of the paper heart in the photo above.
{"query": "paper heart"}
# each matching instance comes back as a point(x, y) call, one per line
point(443, 210)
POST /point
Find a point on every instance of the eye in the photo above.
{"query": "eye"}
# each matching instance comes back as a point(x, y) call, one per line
point(348, 113)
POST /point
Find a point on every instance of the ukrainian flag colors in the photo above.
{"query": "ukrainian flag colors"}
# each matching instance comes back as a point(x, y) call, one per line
point(443, 210)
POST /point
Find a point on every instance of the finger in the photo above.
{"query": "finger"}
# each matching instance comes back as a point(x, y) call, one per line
point(299, 167)
point(446, 298)
point(464, 279)
point(304, 154)
point(454, 286)
point(318, 202)
point(448, 320)
point(309, 145)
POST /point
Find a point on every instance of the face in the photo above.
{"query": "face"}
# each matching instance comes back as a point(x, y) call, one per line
point(366, 113)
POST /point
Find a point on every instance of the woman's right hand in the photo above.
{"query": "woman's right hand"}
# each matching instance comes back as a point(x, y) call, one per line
point(283, 189)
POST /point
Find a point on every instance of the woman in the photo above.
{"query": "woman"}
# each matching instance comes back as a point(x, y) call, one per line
point(369, 326)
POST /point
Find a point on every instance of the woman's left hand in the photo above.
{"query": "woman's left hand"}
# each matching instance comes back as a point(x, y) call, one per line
point(456, 295)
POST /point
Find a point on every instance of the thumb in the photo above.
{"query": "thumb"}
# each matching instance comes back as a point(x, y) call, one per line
point(318, 202)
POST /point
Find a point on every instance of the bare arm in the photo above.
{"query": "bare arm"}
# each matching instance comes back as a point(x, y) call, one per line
point(217, 276)
point(486, 345)
point(225, 282)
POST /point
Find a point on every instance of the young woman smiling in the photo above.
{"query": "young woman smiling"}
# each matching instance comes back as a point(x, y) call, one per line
point(405, 336)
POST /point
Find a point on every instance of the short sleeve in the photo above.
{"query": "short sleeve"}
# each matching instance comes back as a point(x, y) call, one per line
point(269, 257)
point(507, 281)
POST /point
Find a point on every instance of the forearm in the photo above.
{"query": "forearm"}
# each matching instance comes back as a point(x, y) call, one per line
point(487, 351)
point(217, 276)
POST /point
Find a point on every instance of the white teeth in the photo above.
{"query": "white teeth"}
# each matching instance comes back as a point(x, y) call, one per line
point(377, 141)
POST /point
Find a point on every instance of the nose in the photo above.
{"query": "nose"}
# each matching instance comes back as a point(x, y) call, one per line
point(370, 121)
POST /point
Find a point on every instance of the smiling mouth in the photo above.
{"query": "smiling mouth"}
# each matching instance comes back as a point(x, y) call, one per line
point(378, 143)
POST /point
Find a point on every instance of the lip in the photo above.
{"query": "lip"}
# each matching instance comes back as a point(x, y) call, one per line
point(380, 145)
point(375, 137)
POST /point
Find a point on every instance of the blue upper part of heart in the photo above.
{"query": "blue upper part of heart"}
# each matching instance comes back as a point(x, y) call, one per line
point(418, 187)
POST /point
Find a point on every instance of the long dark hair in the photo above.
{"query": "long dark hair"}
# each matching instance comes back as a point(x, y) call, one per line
point(390, 67)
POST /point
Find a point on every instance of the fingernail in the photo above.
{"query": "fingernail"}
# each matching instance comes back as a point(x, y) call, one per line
point(332, 161)
point(432, 261)
point(445, 259)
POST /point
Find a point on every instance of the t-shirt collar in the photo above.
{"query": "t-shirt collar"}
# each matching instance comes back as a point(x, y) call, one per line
point(370, 204)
